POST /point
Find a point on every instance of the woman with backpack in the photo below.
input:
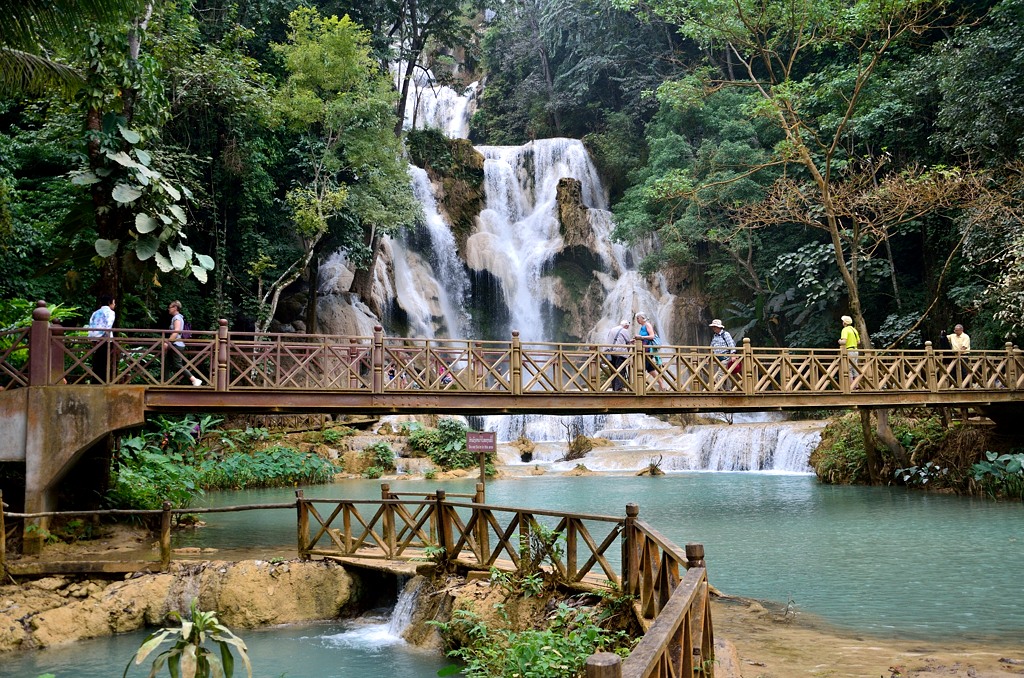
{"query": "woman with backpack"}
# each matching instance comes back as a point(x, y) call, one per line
point(177, 345)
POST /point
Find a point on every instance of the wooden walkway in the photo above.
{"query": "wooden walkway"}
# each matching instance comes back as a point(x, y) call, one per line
point(246, 372)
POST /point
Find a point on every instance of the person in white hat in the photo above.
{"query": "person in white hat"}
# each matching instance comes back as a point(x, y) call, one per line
point(722, 345)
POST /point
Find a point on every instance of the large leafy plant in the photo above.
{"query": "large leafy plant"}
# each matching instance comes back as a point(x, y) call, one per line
point(188, 656)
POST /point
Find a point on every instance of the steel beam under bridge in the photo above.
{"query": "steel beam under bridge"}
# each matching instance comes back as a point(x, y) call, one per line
point(583, 402)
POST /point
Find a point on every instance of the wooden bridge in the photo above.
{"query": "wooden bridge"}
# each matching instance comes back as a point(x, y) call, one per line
point(377, 374)
point(668, 585)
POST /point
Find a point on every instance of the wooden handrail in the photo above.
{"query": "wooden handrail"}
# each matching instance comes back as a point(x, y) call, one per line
point(247, 361)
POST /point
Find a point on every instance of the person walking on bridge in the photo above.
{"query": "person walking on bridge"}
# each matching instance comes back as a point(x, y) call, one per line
point(960, 343)
point(100, 322)
point(723, 346)
point(648, 336)
point(850, 339)
point(177, 346)
point(618, 337)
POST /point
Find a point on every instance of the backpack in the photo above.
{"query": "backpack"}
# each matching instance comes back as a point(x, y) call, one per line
point(186, 329)
point(657, 340)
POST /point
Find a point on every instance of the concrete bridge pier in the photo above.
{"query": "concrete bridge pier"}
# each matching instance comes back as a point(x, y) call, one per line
point(49, 426)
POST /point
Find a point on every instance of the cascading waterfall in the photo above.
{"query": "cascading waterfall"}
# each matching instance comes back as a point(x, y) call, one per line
point(517, 236)
point(434, 106)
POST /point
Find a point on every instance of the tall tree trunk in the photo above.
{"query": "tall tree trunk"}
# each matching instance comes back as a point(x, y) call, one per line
point(362, 278)
point(874, 462)
point(312, 295)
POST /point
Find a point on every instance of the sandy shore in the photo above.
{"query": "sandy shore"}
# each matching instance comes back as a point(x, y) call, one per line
point(770, 645)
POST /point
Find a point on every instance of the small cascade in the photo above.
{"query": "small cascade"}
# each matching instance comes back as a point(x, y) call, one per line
point(775, 447)
point(402, 615)
point(434, 106)
point(548, 428)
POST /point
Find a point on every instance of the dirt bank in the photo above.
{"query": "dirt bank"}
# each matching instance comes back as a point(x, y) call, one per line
point(771, 645)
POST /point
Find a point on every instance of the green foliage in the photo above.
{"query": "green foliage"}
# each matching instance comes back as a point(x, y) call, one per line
point(1001, 475)
point(839, 459)
point(559, 650)
point(920, 475)
point(333, 436)
point(445, 445)
point(188, 656)
point(383, 455)
point(275, 466)
point(157, 465)
point(373, 473)
point(430, 473)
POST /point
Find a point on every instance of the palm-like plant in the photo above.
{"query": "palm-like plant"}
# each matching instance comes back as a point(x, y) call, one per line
point(29, 25)
point(189, 657)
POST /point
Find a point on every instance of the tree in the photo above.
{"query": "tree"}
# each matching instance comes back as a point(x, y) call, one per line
point(354, 186)
point(31, 26)
point(812, 65)
point(414, 25)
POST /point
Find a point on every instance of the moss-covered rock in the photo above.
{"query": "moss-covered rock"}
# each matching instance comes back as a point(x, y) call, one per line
point(457, 172)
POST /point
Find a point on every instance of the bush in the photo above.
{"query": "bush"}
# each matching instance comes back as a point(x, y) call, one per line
point(1001, 475)
point(559, 650)
point(445, 445)
point(839, 459)
point(382, 454)
point(373, 473)
point(272, 467)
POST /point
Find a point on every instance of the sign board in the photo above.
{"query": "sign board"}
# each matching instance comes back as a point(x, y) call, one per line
point(481, 441)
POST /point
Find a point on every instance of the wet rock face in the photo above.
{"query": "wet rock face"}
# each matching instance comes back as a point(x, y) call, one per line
point(246, 594)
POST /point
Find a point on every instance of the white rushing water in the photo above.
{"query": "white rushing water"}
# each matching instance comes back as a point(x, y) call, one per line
point(636, 441)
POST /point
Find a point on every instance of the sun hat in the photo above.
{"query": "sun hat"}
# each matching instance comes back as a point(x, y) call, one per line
point(847, 320)
point(717, 323)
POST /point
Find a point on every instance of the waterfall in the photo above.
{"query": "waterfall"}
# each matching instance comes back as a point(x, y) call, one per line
point(402, 615)
point(775, 447)
point(434, 106)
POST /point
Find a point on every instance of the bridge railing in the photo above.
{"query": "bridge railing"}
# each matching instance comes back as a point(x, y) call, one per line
point(14, 365)
point(669, 586)
point(246, 361)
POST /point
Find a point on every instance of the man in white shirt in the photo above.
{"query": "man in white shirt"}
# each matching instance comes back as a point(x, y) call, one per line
point(100, 322)
point(960, 343)
point(619, 337)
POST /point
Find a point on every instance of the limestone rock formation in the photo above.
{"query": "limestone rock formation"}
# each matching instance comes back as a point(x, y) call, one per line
point(246, 594)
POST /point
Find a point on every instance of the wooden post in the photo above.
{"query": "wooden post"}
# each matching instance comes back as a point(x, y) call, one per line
point(785, 370)
point(630, 552)
point(594, 370)
point(604, 665)
point(389, 519)
point(482, 533)
point(517, 364)
point(639, 369)
point(694, 555)
point(378, 359)
point(353, 359)
point(222, 355)
point(930, 367)
point(747, 367)
point(39, 346)
point(303, 525)
point(444, 526)
point(3, 540)
point(165, 537)
point(1012, 375)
